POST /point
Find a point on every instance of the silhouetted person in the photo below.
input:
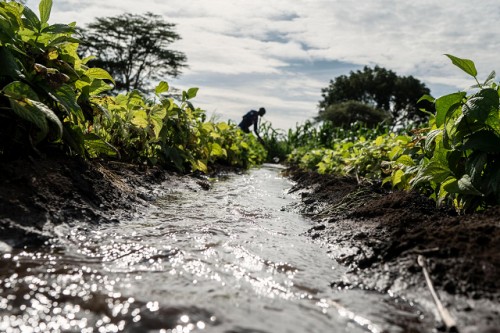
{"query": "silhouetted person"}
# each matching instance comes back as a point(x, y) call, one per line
point(252, 118)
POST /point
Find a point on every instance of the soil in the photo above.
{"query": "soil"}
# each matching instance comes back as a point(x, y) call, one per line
point(375, 232)
point(37, 194)
point(379, 233)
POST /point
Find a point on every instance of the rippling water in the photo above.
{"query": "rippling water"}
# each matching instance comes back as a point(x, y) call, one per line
point(231, 259)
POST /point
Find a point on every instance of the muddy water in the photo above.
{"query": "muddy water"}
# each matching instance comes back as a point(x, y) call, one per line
point(231, 259)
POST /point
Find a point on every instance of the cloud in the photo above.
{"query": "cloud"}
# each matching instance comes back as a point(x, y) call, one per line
point(246, 54)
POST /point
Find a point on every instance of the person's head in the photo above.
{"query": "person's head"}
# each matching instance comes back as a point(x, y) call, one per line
point(262, 112)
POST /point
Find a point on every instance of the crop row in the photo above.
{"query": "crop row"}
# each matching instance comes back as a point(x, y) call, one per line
point(51, 99)
point(454, 158)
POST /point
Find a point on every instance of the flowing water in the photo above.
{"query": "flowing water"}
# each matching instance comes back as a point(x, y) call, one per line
point(231, 259)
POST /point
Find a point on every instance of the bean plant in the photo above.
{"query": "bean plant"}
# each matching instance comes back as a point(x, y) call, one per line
point(50, 97)
point(456, 158)
point(45, 88)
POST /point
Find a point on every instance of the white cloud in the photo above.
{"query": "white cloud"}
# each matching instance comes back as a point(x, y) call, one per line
point(244, 54)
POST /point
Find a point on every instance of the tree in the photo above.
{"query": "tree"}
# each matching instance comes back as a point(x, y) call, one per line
point(379, 88)
point(134, 49)
point(345, 113)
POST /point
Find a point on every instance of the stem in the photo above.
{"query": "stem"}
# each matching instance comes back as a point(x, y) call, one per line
point(479, 84)
point(443, 312)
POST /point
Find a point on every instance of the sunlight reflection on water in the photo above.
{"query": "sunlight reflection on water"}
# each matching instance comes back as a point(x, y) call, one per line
point(227, 260)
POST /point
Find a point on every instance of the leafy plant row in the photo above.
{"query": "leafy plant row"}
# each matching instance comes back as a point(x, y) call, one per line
point(454, 158)
point(50, 97)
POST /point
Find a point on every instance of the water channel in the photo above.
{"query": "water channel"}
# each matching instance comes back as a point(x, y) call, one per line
point(231, 259)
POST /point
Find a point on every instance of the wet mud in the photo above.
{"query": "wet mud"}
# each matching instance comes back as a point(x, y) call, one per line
point(38, 194)
point(379, 233)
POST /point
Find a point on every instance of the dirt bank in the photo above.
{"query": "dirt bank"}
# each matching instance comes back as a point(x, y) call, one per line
point(38, 194)
point(379, 233)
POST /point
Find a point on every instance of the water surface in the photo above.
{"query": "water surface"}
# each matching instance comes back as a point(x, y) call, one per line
point(231, 259)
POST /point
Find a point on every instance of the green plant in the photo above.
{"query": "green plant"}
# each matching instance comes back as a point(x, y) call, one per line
point(361, 158)
point(457, 158)
point(168, 133)
point(44, 86)
point(275, 142)
point(49, 96)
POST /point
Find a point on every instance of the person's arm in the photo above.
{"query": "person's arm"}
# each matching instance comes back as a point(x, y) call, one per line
point(256, 129)
point(256, 126)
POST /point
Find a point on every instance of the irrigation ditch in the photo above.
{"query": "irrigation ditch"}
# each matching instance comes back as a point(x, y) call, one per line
point(372, 236)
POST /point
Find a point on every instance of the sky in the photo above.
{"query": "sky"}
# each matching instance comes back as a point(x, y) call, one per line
point(279, 54)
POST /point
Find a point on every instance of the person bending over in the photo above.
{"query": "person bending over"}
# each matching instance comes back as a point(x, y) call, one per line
point(252, 118)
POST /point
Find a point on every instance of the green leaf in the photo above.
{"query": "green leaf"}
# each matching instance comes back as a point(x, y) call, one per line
point(31, 19)
point(40, 115)
point(98, 86)
point(98, 146)
point(45, 7)
point(462, 186)
point(484, 140)
point(134, 98)
point(61, 29)
point(431, 137)
point(464, 64)
point(397, 177)
point(434, 171)
point(161, 87)
point(426, 98)
point(87, 59)
point(493, 121)
point(99, 73)
point(223, 126)
point(405, 160)
point(199, 165)
point(11, 21)
point(22, 110)
point(67, 98)
point(190, 105)
point(156, 115)
point(9, 65)
point(475, 165)
point(445, 105)
point(490, 78)
point(191, 93)
point(19, 90)
point(216, 150)
point(395, 151)
point(443, 193)
point(481, 104)
point(50, 115)
point(140, 118)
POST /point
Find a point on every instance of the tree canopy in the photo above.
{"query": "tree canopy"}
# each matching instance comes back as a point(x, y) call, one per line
point(134, 49)
point(345, 113)
point(379, 88)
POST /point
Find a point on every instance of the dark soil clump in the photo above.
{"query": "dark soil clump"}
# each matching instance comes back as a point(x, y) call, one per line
point(379, 233)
